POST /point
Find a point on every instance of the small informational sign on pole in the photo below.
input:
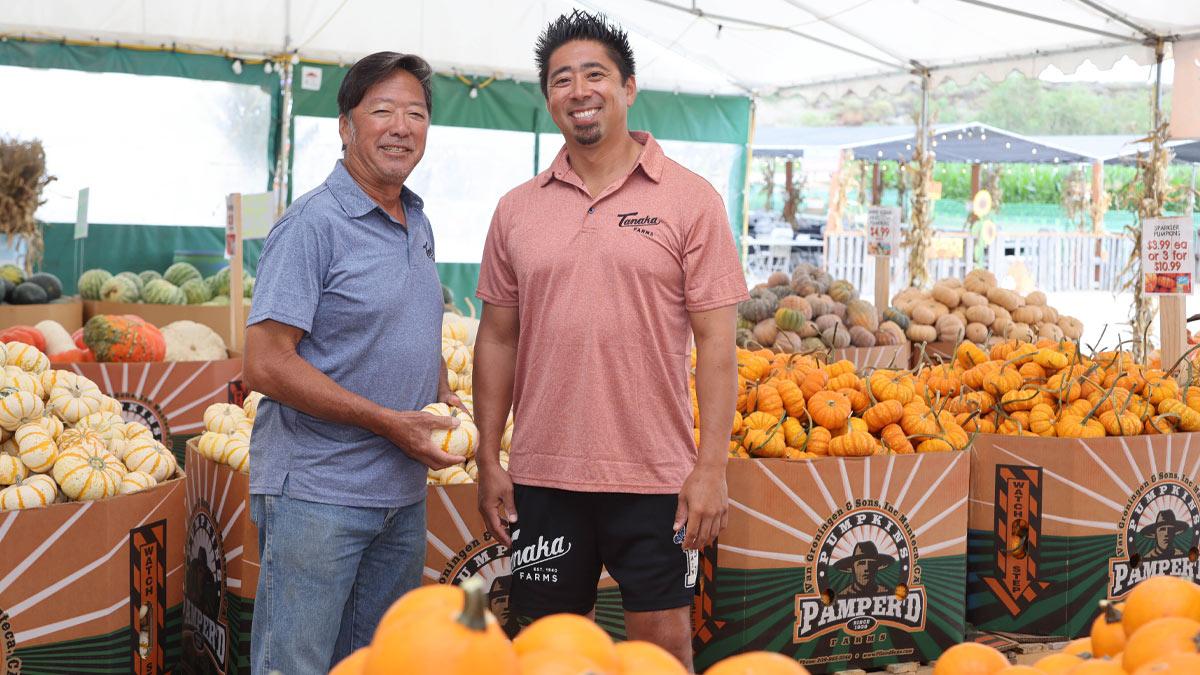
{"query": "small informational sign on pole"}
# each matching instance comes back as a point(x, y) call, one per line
point(883, 238)
point(1168, 265)
point(81, 214)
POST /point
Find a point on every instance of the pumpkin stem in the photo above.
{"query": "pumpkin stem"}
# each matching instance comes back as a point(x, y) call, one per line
point(474, 613)
point(1111, 613)
point(1182, 358)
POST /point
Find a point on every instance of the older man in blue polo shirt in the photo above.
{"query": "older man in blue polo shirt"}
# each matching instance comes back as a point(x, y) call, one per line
point(344, 340)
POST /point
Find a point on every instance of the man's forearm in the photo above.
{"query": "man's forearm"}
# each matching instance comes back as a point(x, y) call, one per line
point(494, 374)
point(716, 391)
point(289, 379)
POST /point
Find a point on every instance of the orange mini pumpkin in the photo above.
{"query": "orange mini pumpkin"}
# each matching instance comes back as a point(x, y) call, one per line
point(829, 409)
point(1160, 638)
point(1159, 597)
point(1108, 635)
point(646, 657)
point(970, 658)
point(569, 633)
point(757, 663)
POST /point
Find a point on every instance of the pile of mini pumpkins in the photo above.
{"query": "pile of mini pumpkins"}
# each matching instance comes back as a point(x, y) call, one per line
point(63, 439)
point(447, 630)
point(1156, 631)
point(1050, 389)
point(793, 406)
point(976, 309)
point(227, 430)
point(809, 312)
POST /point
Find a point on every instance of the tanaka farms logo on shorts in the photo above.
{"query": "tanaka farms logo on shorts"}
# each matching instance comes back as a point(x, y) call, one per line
point(1160, 530)
point(488, 559)
point(204, 603)
point(862, 573)
point(8, 644)
point(134, 408)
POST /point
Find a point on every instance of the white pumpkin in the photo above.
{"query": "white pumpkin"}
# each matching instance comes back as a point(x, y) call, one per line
point(461, 440)
point(87, 476)
point(36, 446)
point(74, 402)
point(212, 444)
point(223, 417)
point(103, 422)
point(36, 490)
point(453, 329)
point(12, 470)
point(150, 457)
point(134, 430)
point(250, 405)
point(457, 356)
point(51, 424)
point(59, 378)
point(19, 379)
point(110, 404)
point(136, 481)
point(458, 477)
point(191, 341)
point(452, 379)
point(26, 357)
point(468, 401)
point(18, 407)
point(238, 457)
point(82, 441)
point(506, 439)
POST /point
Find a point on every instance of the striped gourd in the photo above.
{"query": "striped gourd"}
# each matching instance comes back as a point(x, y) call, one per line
point(250, 405)
point(150, 457)
point(36, 490)
point(86, 476)
point(212, 444)
point(26, 357)
point(18, 407)
point(223, 417)
point(51, 424)
point(37, 447)
point(82, 441)
point(136, 481)
point(238, 456)
point(461, 440)
point(135, 430)
point(456, 355)
point(19, 379)
point(105, 423)
point(12, 470)
point(59, 378)
point(74, 402)
point(110, 404)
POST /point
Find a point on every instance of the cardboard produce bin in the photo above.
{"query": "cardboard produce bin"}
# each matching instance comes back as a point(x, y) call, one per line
point(765, 583)
point(69, 313)
point(1056, 525)
point(215, 317)
point(888, 356)
point(220, 547)
point(170, 398)
point(75, 578)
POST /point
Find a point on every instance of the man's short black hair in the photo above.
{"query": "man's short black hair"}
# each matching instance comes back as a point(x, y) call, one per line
point(581, 25)
point(371, 70)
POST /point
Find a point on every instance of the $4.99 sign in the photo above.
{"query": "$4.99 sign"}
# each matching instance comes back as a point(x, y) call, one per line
point(883, 230)
point(1168, 265)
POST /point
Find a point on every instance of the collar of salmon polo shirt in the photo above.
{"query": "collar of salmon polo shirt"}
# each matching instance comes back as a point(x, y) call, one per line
point(355, 201)
point(651, 160)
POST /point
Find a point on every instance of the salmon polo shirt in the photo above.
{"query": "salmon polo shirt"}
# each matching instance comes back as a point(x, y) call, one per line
point(603, 287)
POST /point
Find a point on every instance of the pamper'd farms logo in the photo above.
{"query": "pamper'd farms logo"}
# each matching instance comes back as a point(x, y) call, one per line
point(862, 574)
point(204, 602)
point(488, 558)
point(1158, 535)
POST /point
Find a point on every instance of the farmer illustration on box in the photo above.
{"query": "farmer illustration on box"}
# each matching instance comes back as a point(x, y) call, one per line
point(864, 564)
point(1163, 531)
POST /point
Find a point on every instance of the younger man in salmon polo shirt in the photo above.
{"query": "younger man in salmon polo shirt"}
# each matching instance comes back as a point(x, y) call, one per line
point(595, 275)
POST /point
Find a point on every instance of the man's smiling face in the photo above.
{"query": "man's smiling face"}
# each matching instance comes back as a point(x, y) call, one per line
point(585, 95)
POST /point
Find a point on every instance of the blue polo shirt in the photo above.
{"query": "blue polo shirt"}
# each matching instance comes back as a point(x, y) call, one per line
point(365, 291)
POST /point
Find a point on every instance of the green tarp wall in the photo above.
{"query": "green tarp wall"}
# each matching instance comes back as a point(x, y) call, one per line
point(499, 104)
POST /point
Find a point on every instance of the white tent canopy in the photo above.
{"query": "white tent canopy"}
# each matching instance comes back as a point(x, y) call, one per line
point(707, 46)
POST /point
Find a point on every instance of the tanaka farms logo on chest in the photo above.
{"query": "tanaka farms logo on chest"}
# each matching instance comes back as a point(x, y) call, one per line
point(863, 573)
point(638, 222)
point(1160, 532)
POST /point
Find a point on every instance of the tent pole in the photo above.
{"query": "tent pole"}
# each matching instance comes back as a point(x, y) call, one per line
point(283, 169)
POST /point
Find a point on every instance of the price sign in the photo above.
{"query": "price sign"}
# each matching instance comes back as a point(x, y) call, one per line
point(81, 214)
point(883, 230)
point(1168, 266)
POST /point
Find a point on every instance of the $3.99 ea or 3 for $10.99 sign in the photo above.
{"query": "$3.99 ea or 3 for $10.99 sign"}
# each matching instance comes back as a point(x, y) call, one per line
point(1168, 255)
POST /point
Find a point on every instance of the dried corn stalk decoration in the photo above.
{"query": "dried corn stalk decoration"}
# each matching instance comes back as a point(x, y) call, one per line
point(918, 238)
point(22, 179)
point(1146, 195)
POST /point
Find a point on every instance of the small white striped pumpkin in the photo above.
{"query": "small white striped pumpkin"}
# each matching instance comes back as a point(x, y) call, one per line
point(12, 470)
point(223, 417)
point(105, 423)
point(86, 476)
point(18, 407)
point(110, 404)
point(19, 379)
point(468, 401)
point(150, 457)
point(212, 444)
point(26, 357)
point(457, 356)
point(83, 441)
point(250, 405)
point(506, 439)
point(74, 402)
point(238, 456)
point(135, 430)
point(452, 379)
point(36, 490)
point(37, 447)
point(59, 378)
point(136, 481)
point(461, 440)
point(51, 424)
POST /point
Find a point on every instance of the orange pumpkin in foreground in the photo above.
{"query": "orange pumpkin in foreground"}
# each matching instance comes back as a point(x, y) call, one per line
point(569, 633)
point(1159, 597)
point(1161, 638)
point(757, 663)
point(970, 658)
point(644, 657)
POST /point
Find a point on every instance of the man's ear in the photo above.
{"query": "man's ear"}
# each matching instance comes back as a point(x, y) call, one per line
point(345, 130)
point(631, 89)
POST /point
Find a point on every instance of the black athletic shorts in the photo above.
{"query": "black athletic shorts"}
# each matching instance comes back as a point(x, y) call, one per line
point(563, 538)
